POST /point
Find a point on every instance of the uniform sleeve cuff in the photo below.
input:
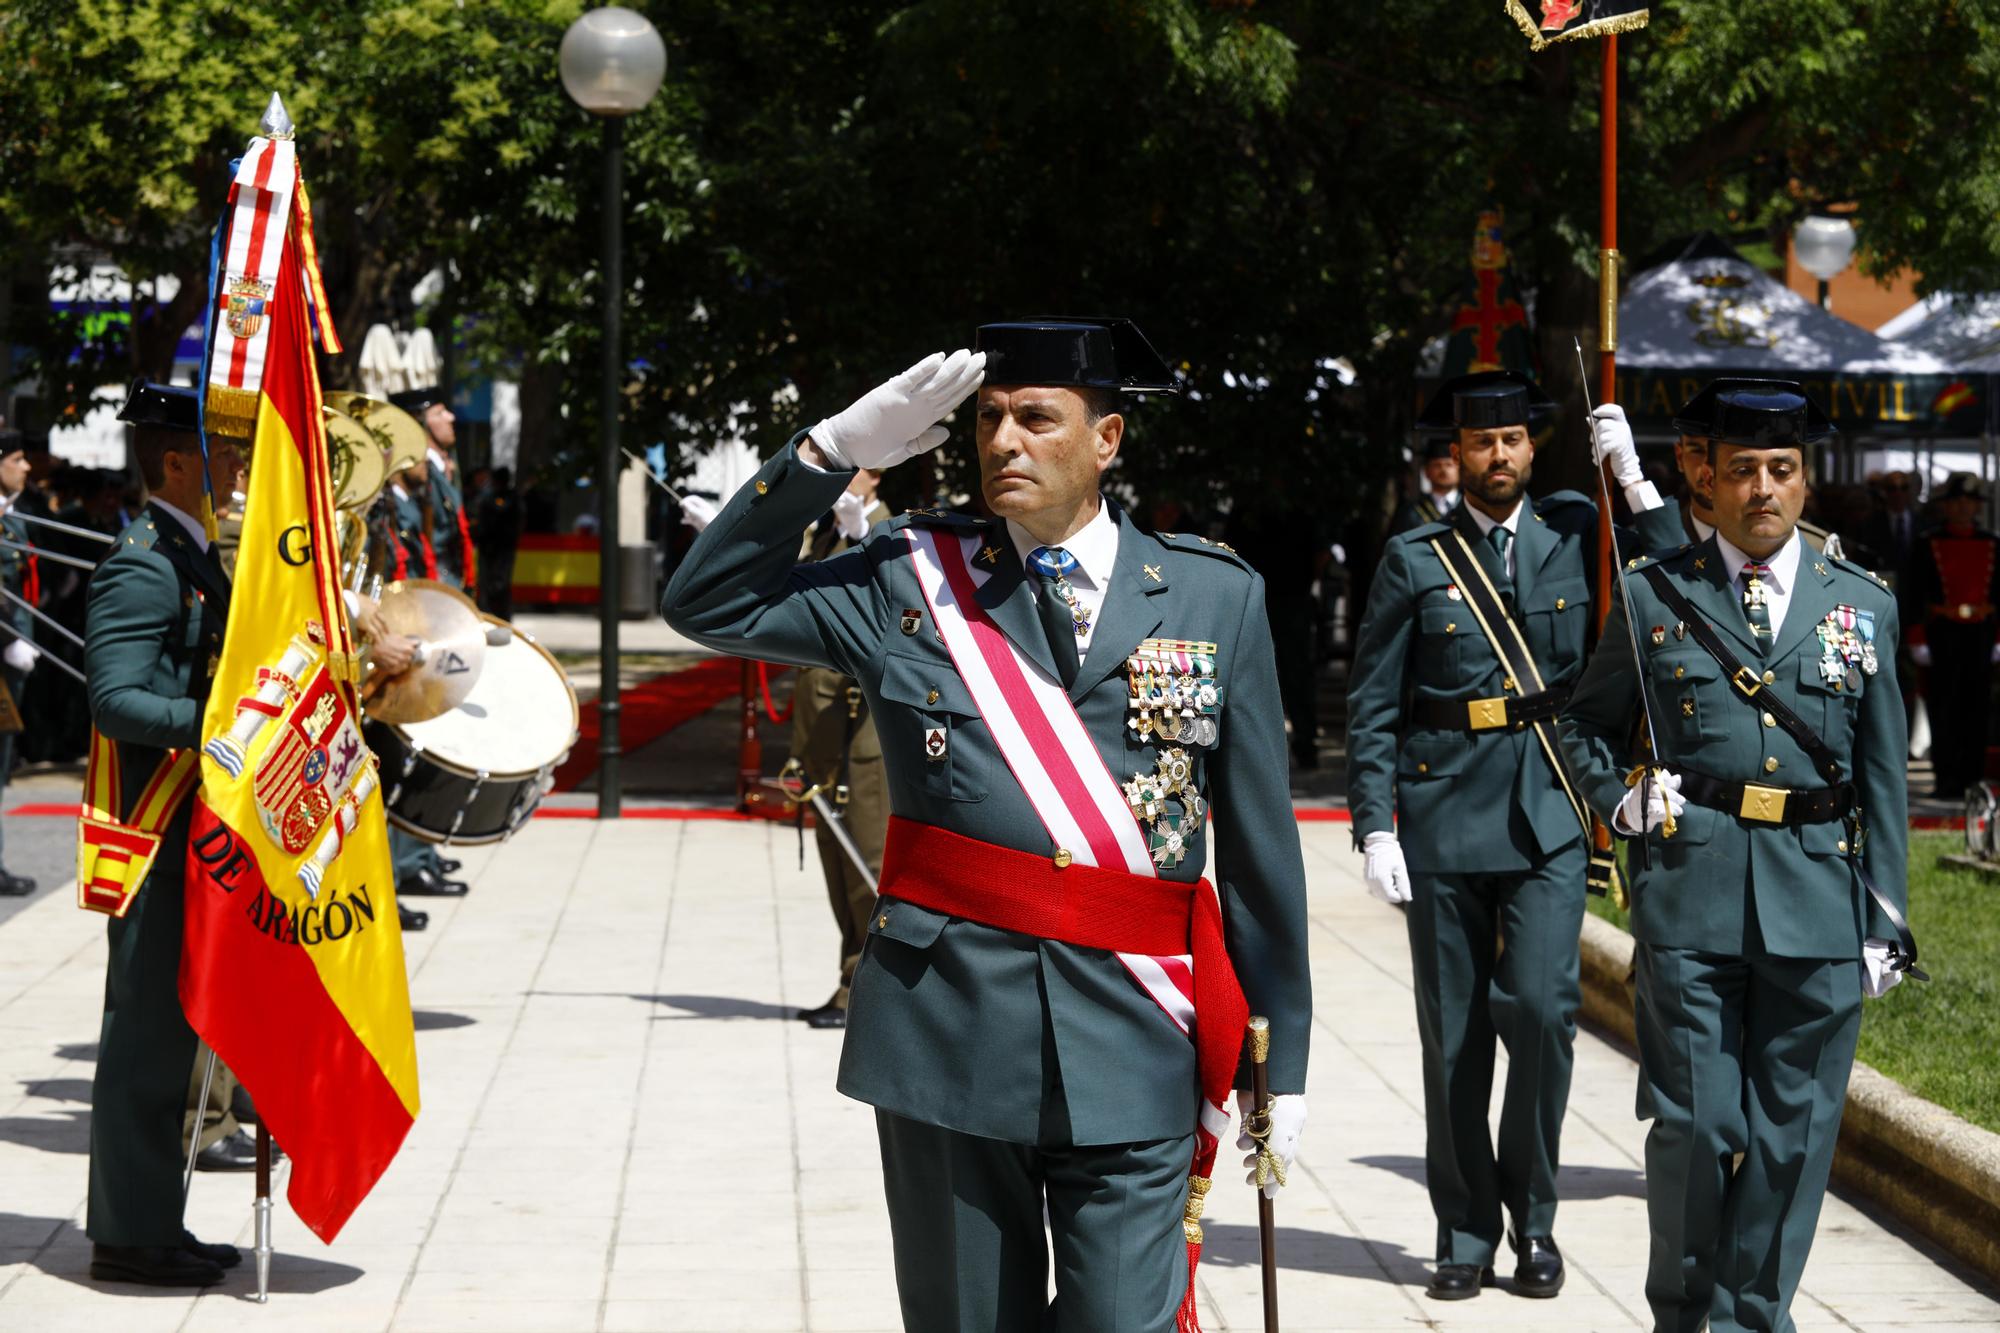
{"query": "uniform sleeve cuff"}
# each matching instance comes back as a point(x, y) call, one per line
point(1642, 496)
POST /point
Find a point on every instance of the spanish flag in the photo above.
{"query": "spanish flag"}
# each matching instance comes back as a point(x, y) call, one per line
point(292, 966)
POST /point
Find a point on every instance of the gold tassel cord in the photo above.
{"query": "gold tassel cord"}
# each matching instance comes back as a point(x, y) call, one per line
point(1196, 1200)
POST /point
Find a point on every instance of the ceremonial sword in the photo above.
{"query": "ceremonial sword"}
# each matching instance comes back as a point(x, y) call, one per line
point(651, 475)
point(1645, 772)
point(831, 818)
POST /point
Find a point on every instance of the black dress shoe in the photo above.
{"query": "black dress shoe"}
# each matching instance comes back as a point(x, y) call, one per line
point(828, 1015)
point(1538, 1267)
point(232, 1152)
point(411, 918)
point(427, 883)
point(1458, 1282)
point(15, 886)
point(222, 1256)
point(447, 866)
point(152, 1265)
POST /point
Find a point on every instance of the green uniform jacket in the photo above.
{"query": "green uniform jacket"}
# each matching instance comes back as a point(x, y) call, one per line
point(1419, 641)
point(447, 537)
point(156, 614)
point(1729, 885)
point(955, 1023)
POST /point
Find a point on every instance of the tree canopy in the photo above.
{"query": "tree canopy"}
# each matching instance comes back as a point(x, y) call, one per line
point(823, 193)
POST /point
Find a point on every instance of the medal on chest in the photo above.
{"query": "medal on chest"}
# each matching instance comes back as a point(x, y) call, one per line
point(1847, 646)
point(1172, 694)
point(1168, 806)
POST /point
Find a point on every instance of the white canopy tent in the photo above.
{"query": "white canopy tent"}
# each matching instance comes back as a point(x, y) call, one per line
point(1962, 330)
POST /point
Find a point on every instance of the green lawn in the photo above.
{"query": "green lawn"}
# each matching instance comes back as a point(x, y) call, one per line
point(1941, 1040)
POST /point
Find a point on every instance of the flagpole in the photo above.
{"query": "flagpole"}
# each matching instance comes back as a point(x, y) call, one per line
point(1607, 287)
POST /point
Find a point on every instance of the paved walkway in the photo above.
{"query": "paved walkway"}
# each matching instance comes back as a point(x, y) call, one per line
point(624, 1130)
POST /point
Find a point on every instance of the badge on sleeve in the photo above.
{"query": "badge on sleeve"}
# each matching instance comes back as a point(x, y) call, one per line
point(934, 743)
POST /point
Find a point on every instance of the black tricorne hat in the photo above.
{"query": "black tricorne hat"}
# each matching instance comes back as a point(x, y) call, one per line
point(414, 401)
point(1485, 401)
point(167, 405)
point(1433, 444)
point(1963, 486)
point(1757, 413)
point(12, 442)
point(1070, 351)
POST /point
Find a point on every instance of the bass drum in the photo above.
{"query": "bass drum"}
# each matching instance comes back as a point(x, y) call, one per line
point(475, 773)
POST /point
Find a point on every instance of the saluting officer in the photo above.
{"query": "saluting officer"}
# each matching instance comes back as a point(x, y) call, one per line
point(450, 533)
point(20, 575)
point(1768, 909)
point(1475, 631)
point(1954, 608)
point(157, 609)
point(1021, 1014)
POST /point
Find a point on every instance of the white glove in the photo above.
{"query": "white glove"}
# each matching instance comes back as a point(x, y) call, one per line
point(1877, 977)
point(850, 516)
point(898, 420)
point(21, 655)
point(1662, 792)
point(698, 511)
point(1615, 447)
point(1382, 865)
point(1920, 653)
point(1288, 1121)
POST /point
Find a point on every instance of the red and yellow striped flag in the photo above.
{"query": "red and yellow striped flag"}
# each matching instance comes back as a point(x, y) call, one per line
point(292, 967)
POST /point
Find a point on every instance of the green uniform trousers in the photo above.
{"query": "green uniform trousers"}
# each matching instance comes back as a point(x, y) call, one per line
point(966, 1216)
point(866, 816)
point(144, 1052)
point(1495, 956)
point(408, 854)
point(1738, 1055)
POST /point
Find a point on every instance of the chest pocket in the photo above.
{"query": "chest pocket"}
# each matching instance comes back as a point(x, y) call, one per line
point(925, 736)
point(1692, 698)
point(1556, 618)
point(1829, 706)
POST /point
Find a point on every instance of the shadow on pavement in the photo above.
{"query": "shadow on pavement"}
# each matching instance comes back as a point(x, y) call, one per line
point(77, 1050)
point(432, 1020)
point(65, 1254)
point(716, 1006)
point(1233, 1245)
point(70, 1134)
point(1575, 1182)
point(58, 1089)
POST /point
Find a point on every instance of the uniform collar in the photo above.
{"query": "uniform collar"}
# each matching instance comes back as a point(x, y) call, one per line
point(1095, 546)
point(195, 530)
point(438, 460)
point(1783, 563)
point(1486, 525)
point(1448, 500)
point(1703, 529)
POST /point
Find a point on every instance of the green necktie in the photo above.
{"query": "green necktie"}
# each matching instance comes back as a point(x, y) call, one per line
point(1056, 605)
point(1756, 609)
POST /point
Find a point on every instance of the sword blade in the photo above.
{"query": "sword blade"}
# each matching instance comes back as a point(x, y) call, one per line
point(831, 818)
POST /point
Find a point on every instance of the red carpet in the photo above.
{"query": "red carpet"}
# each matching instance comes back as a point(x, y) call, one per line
point(652, 708)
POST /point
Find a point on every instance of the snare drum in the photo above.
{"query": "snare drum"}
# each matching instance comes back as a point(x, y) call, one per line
point(475, 773)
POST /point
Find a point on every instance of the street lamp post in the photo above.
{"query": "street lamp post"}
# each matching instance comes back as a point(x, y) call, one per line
point(612, 64)
point(1824, 247)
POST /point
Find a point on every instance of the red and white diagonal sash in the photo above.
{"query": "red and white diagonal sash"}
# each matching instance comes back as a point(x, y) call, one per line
point(1045, 744)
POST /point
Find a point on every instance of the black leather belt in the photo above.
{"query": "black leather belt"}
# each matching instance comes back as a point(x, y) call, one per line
point(1500, 712)
point(1789, 806)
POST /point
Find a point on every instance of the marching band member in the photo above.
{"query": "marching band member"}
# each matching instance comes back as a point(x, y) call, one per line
point(1020, 1017)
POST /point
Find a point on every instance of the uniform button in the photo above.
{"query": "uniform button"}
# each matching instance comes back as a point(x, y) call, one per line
point(1062, 858)
point(882, 921)
point(1423, 768)
point(1771, 764)
point(1679, 672)
point(1560, 603)
point(1770, 721)
point(932, 698)
point(1451, 627)
point(763, 488)
point(1841, 845)
point(1770, 678)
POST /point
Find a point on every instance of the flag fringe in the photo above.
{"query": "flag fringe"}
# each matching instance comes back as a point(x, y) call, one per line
point(1603, 27)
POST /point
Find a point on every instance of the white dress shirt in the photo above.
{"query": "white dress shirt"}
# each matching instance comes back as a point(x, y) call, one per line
point(1703, 529)
point(1512, 523)
point(1446, 501)
point(188, 521)
point(1778, 584)
point(1095, 547)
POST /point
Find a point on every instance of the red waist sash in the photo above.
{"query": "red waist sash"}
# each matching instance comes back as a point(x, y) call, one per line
point(1088, 906)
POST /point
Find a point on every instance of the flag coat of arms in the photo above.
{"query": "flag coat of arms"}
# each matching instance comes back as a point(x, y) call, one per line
point(292, 965)
point(1568, 20)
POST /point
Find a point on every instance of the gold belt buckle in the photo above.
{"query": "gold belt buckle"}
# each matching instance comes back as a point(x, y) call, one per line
point(1486, 714)
point(1965, 610)
point(1763, 804)
point(1747, 681)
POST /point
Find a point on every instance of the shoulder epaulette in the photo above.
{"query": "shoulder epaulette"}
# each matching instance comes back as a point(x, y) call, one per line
point(1564, 499)
point(141, 532)
point(1639, 562)
point(1860, 570)
point(944, 518)
point(1184, 541)
point(1424, 532)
